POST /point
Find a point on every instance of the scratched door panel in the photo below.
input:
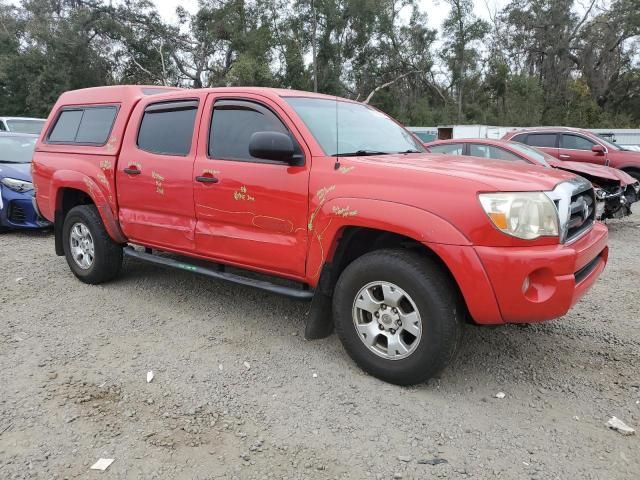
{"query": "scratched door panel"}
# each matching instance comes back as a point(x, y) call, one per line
point(154, 176)
point(256, 212)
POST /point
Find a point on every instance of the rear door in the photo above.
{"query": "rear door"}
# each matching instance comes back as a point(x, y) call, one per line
point(577, 148)
point(154, 174)
point(250, 212)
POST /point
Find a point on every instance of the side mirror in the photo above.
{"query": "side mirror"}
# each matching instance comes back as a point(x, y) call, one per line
point(273, 146)
point(599, 149)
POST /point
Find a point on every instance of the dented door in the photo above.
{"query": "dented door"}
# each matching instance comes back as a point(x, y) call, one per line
point(154, 174)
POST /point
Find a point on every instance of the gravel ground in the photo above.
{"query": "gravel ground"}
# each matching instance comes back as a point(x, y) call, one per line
point(238, 392)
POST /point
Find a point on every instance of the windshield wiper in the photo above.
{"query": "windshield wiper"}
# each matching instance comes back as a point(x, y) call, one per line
point(360, 153)
point(411, 151)
point(10, 161)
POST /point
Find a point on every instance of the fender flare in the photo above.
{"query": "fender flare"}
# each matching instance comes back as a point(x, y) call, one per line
point(79, 181)
point(332, 216)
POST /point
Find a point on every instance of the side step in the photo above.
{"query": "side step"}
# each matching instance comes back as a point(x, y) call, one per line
point(221, 275)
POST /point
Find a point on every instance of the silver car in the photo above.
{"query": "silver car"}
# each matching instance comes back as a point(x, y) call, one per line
point(21, 125)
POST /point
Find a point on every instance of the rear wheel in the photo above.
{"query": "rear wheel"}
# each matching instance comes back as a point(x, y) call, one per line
point(398, 315)
point(90, 252)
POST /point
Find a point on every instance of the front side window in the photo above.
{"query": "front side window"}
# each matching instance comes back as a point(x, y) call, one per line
point(494, 153)
point(448, 148)
point(232, 125)
point(167, 128)
point(545, 140)
point(575, 142)
point(534, 155)
point(83, 125)
point(522, 138)
point(344, 128)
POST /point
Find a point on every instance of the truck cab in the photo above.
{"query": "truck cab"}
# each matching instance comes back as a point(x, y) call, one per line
point(323, 199)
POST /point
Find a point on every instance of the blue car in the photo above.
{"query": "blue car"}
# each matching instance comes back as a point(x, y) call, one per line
point(16, 189)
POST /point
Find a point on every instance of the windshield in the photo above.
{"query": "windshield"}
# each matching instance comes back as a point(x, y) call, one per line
point(609, 145)
point(361, 130)
point(16, 149)
point(25, 126)
point(533, 153)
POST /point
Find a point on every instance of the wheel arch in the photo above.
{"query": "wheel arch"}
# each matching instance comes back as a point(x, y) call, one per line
point(72, 189)
point(346, 229)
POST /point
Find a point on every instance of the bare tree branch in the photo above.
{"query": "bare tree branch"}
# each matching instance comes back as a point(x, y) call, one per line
point(388, 84)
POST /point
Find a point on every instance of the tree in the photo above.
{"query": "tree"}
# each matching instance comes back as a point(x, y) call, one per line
point(462, 30)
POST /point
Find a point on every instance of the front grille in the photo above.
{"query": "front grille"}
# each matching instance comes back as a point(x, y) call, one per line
point(582, 213)
point(16, 213)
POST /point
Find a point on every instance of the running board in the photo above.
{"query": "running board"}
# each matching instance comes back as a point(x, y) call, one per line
point(220, 275)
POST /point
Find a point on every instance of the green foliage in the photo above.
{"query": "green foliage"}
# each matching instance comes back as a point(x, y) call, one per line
point(538, 62)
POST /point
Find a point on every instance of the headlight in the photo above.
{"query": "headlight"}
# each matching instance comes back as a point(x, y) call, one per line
point(526, 215)
point(17, 185)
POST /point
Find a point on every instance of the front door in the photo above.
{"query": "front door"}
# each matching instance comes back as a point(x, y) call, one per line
point(577, 148)
point(250, 212)
point(154, 175)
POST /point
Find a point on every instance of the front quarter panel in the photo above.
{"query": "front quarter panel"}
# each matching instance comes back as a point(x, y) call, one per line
point(331, 216)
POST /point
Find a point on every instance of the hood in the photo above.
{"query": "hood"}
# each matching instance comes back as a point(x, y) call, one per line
point(19, 171)
point(490, 175)
point(594, 170)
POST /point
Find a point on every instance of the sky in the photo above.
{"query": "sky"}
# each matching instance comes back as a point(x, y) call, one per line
point(436, 10)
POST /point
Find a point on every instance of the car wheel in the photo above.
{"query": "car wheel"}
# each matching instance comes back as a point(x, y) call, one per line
point(90, 252)
point(635, 173)
point(398, 315)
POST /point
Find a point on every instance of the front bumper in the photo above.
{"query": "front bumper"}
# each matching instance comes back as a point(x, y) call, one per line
point(534, 284)
point(525, 284)
point(18, 212)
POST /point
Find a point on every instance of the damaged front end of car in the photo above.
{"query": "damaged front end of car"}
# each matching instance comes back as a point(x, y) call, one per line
point(613, 200)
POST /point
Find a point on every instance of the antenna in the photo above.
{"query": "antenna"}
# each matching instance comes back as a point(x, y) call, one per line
point(337, 164)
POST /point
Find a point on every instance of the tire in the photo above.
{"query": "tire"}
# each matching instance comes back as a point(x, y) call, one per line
point(633, 172)
point(105, 262)
point(425, 288)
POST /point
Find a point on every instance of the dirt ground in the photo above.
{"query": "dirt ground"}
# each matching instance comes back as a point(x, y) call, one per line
point(238, 392)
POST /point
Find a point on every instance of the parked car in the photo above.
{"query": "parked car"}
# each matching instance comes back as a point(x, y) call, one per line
point(615, 190)
point(395, 246)
point(21, 125)
point(578, 145)
point(16, 188)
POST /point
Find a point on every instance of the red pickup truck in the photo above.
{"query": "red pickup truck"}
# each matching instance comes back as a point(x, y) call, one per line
point(323, 199)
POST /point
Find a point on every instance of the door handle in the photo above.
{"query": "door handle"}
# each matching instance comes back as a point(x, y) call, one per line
point(565, 156)
point(132, 171)
point(203, 179)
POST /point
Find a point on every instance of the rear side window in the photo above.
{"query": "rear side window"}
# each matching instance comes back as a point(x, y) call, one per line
point(167, 128)
point(547, 140)
point(83, 126)
point(494, 153)
point(576, 142)
point(522, 138)
point(232, 125)
point(449, 148)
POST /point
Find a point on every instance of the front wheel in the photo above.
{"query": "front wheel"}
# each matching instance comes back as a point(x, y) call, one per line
point(398, 315)
point(90, 252)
